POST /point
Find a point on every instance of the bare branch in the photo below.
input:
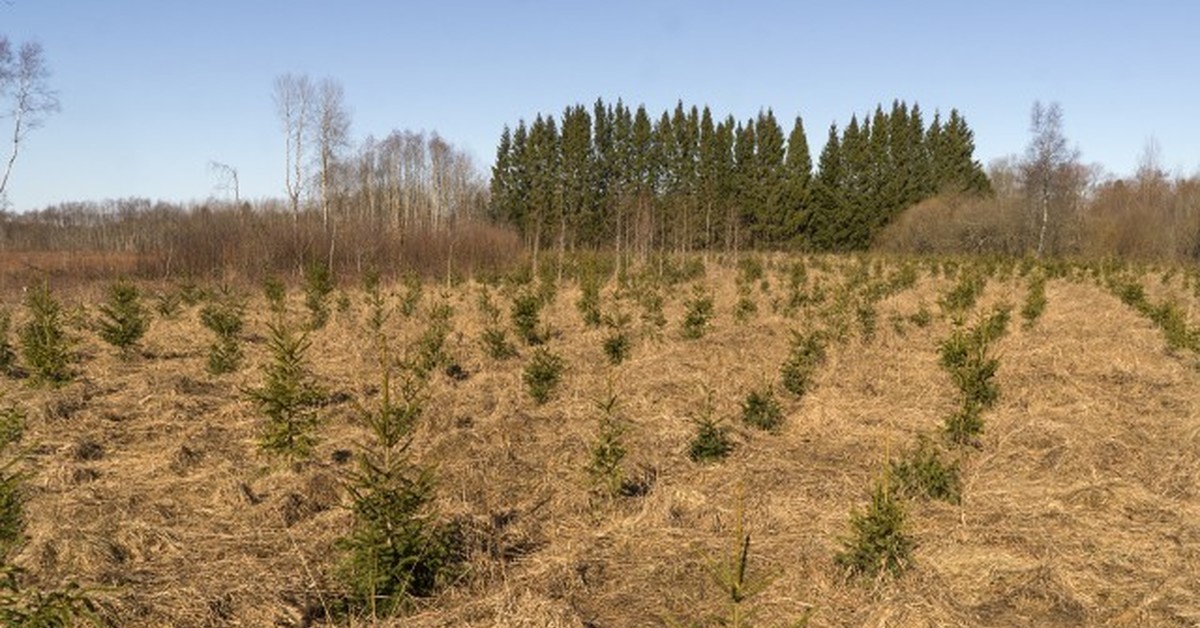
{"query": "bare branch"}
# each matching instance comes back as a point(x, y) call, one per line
point(25, 94)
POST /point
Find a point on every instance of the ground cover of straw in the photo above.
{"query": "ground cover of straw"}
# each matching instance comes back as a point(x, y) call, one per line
point(1081, 505)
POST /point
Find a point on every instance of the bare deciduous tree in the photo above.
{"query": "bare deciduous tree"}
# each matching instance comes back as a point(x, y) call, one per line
point(25, 95)
point(333, 136)
point(227, 179)
point(294, 96)
point(1051, 173)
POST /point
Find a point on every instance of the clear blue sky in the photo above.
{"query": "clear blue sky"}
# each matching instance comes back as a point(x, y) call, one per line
point(152, 90)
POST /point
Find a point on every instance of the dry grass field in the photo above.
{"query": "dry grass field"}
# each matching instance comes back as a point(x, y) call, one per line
point(145, 484)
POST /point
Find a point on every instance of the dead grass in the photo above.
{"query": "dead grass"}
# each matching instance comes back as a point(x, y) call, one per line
point(1080, 508)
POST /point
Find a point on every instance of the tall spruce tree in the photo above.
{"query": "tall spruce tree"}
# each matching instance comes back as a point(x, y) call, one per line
point(828, 227)
point(745, 175)
point(645, 177)
point(577, 183)
point(498, 209)
point(768, 213)
point(798, 182)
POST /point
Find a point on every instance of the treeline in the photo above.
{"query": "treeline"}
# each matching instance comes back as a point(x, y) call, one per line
point(251, 241)
point(614, 177)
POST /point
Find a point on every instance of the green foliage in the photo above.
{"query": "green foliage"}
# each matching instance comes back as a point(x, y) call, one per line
point(318, 285)
point(750, 269)
point(124, 319)
point(965, 355)
point(746, 307)
point(617, 346)
point(430, 349)
point(922, 317)
point(711, 442)
point(496, 344)
point(878, 543)
point(868, 320)
point(224, 318)
point(731, 574)
point(698, 313)
point(22, 607)
point(526, 317)
point(965, 423)
point(761, 410)
point(543, 374)
point(650, 299)
point(923, 473)
point(8, 356)
point(12, 524)
point(806, 355)
point(45, 346)
point(589, 302)
point(494, 337)
point(168, 304)
point(289, 396)
point(192, 293)
point(965, 293)
point(1035, 300)
point(608, 452)
point(376, 303)
point(397, 550)
point(411, 299)
point(12, 521)
point(276, 293)
point(12, 427)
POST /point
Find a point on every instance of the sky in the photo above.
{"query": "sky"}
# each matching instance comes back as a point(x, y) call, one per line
point(152, 91)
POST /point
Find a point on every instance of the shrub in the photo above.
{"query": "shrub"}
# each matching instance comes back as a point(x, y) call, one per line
point(921, 318)
point(964, 294)
point(1035, 300)
point(431, 344)
point(318, 285)
point(868, 320)
point(878, 543)
point(698, 313)
point(761, 410)
point(8, 357)
point(276, 293)
point(413, 289)
point(22, 607)
point(376, 304)
point(289, 395)
point(223, 317)
point(12, 426)
point(746, 307)
point(617, 346)
point(589, 302)
point(168, 304)
point(750, 269)
point(807, 354)
point(965, 423)
point(526, 313)
point(44, 343)
point(496, 344)
point(543, 374)
point(123, 318)
point(923, 473)
point(396, 550)
point(609, 451)
point(711, 442)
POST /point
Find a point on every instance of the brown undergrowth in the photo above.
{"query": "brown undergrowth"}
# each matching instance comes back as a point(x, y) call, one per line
point(146, 485)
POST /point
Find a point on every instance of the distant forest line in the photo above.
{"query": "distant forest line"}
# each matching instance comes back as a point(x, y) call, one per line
point(618, 179)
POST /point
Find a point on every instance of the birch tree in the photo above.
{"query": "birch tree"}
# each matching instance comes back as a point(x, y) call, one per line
point(25, 96)
point(333, 137)
point(294, 96)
